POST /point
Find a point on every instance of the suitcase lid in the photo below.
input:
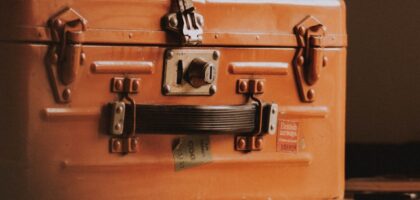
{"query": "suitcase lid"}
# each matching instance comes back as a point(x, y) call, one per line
point(226, 22)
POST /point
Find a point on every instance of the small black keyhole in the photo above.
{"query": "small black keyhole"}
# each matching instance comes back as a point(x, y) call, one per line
point(179, 72)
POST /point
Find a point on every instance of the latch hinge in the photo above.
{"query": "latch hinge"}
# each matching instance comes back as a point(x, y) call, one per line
point(186, 22)
point(310, 57)
point(66, 54)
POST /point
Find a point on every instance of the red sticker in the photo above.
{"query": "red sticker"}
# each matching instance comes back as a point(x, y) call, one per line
point(287, 137)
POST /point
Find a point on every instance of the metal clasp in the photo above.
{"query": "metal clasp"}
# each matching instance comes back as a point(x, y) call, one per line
point(66, 55)
point(186, 22)
point(310, 58)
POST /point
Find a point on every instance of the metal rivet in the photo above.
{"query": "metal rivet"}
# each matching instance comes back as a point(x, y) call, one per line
point(257, 37)
point(311, 94)
point(243, 86)
point(166, 89)
point(58, 23)
point(260, 86)
point(169, 54)
point(241, 143)
point(273, 111)
point(67, 94)
point(324, 61)
point(119, 109)
point(271, 127)
point(136, 85)
point(118, 85)
point(301, 61)
point(130, 35)
point(302, 30)
point(216, 55)
point(258, 143)
point(216, 36)
point(116, 145)
point(212, 89)
point(82, 58)
point(118, 126)
point(54, 58)
point(134, 143)
point(173, 21)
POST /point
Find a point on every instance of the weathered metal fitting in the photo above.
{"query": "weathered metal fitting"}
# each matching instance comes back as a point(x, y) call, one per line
point(187, 23)
point(249, 143)
point(250, 86)
point(125, 85)
point(117, 118)
point(309, 58)
point(190, 72)
point(124, 145)
point(66, 55)
point(271, 118)
point(131, 85)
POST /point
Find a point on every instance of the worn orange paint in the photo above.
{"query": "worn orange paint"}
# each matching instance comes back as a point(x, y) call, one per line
point(60, 151)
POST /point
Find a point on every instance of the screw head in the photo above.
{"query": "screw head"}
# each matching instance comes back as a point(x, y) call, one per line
point(118, 85)
point(58, 23)
point(260, 86)
point(213, 89)
point(216, 55)
point(310, 94)
point(173, 21)
point(169, 54)
point(258, 143)
point(166, 89)
point(243, 86)
point(135, 85)
point(134, 143)
point(324, 61)
point(301, 61)
point(117, 145)
point(82, 58)
point(54, 58)
point(118, 126)
point(241, 143)
point(119, 109)
point(66, 94)
point(302, 30)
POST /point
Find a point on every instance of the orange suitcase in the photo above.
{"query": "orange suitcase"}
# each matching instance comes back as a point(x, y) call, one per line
point(182, 99)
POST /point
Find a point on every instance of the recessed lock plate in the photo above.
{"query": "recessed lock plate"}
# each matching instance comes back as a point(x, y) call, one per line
point(190, 72)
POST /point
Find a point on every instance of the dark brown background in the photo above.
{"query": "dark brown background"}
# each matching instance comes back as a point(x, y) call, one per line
point(383, 98)
point(383, 102)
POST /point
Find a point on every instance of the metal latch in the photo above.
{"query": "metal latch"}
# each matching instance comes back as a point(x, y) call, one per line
point(310, 58)
point(186, 22)
point(66, 55)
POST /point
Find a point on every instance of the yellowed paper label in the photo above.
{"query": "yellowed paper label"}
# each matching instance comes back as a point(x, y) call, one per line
point(190, 151)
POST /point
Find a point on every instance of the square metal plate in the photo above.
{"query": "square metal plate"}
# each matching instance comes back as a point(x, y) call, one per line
point(174, 85)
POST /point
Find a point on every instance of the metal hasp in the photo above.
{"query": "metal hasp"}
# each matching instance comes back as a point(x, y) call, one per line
point(190, 72)
point(66, 54)
point(309, 58)
point(186, 22)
